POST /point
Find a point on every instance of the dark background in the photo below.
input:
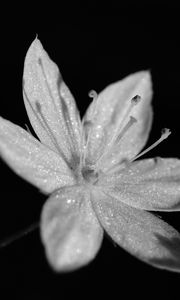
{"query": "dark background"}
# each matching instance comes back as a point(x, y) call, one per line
point(92, 50)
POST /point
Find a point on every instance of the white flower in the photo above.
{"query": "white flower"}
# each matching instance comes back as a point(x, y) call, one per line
point(89, 170)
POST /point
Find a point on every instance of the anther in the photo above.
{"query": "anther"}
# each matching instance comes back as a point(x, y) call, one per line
point(136, 99)
point(165, 133)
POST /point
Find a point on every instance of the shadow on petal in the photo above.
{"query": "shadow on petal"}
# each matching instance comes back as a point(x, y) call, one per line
point(175, 207)
point(173, 246)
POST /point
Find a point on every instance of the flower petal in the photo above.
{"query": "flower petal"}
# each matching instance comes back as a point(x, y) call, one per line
point(32, 160)
point(151, 184)
point(70, 230)
point(140, 233)
point(50, 105)
point(110, 112)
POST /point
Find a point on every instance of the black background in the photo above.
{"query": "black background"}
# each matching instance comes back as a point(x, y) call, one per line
point(92, 50)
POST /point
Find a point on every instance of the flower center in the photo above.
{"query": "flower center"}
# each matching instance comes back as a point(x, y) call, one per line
point(89, 175)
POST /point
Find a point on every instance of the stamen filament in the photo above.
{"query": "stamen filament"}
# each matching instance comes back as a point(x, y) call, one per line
point(125, 128)
point(165, 133)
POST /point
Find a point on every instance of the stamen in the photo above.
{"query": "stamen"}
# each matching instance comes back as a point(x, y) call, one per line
point(120, 131)
point(134, 101)
point(93, 94)
point(126, 127)
point(165, 133)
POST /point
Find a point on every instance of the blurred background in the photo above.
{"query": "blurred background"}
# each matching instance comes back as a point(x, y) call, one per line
point(92, 49)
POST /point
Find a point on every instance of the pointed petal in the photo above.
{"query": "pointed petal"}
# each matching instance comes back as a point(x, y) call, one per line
point(70, 230)
point(107, 115)
point(140, 233)
point(32, 160)
point(49, 104)
point(151, 184)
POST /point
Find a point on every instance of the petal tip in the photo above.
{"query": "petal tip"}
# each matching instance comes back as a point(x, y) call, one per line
point(145, 75)
point(35, 49)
